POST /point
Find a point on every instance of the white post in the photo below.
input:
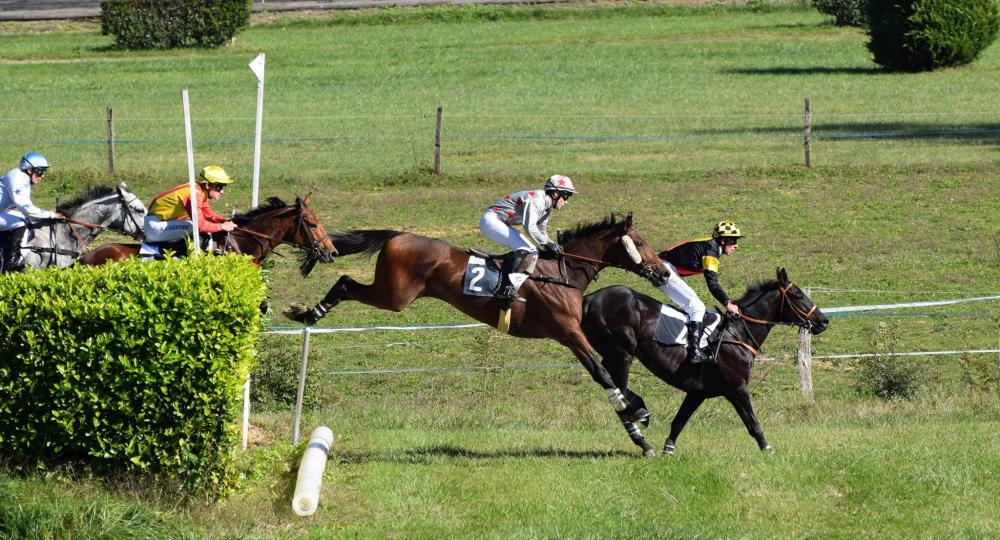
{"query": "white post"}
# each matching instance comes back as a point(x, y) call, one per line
point(257, 66)
point(310, 476)
point(246, 411)
point(804, 354)
point(191, 184)
point(302, 385)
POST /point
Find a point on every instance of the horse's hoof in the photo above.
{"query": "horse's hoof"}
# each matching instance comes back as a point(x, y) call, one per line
point(641, 416)
point(296, 312)
point(668, 449)
point(649, 452)
point(767, 449)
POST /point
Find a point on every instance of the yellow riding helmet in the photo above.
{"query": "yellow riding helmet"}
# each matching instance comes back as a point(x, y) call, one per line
point(213, 174)
point(726, 229)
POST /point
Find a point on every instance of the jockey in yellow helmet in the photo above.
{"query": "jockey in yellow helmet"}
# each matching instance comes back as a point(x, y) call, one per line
point(169, 217)
point(699, 256)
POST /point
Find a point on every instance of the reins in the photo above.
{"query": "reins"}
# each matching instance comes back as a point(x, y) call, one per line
point(802, 315)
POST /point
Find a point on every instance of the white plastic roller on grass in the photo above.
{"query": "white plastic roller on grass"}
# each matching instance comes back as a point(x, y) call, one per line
point(306, 497)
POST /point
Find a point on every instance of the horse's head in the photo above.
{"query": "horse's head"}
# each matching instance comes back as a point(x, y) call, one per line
point(133, 213)
point(310, 235)
point(796, 308)
point(615, 242)
point(646, 262)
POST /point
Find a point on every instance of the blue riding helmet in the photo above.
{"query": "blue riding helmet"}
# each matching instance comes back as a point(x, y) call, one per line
point(34, 160)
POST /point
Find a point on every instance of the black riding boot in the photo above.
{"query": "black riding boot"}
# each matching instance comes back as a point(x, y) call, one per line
point(695, 354)
point(511, 263)
point(12, 259)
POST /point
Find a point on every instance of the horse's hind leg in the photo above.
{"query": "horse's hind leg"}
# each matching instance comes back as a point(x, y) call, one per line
point(688, 407)
point(303, 314)
point(740, 399)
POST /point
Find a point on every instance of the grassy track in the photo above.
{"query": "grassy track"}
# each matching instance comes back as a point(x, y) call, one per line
point(683, 116)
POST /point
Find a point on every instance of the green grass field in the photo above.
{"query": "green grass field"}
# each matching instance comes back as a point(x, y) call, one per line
point(684, 116)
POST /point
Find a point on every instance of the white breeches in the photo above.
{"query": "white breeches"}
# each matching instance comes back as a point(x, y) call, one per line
point(498, 231)
point(158, 230)
point(680, 292)
point(9, 222)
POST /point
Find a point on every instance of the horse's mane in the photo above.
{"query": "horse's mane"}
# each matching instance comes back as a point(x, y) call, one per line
point(271, 204)
point(757, 289)
point(88, 194)
point(584, 230)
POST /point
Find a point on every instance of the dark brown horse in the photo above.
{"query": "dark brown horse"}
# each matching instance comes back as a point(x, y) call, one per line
point(411, 266)
point(258, 232)
point(620, 323)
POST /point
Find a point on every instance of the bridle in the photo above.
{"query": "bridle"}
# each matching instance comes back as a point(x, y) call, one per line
point(313, 249)
point(127, 215)
point(803, 316)
point(127, 208)
point(803, 321)
point(641, 269)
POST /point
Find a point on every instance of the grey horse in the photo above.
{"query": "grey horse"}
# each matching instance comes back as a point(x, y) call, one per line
point(61, 242)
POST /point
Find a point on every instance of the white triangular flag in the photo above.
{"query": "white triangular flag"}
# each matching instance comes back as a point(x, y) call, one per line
point(257, 66)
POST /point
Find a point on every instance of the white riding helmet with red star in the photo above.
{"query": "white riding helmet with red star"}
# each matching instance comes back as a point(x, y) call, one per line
point(558, 182)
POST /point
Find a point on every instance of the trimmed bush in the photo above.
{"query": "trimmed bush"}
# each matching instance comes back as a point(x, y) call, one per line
point(844, 12)
point(132, 367)
point(886, 376)
point(155, 24)
point(923, 35)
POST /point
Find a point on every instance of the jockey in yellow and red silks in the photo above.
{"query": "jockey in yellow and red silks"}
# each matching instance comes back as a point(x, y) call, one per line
point(169, 217)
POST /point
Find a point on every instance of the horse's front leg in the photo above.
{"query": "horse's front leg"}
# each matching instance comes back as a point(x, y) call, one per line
point(690, 404)
point(591, 362)
point(617, 363)
point(740, 399)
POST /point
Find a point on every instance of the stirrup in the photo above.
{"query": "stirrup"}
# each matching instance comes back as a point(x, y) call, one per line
point(696, 356)
point(510, 293)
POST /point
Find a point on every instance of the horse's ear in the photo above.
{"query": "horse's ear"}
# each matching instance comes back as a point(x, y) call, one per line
point(782, 275)
point(308, 199)
point(628, 221)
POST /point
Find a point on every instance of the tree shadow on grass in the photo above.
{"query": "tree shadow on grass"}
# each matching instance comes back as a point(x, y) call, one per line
point(978, 132)
point(434, 453)
point(799, 71)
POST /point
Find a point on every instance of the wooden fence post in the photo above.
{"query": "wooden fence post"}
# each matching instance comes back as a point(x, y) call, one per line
point(111, 141)
point(804, 355)
point(807, 134)
point(437, 143)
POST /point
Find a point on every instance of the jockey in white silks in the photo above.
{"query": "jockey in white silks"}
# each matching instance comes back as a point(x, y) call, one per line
point(16, 208)
point(531, 210)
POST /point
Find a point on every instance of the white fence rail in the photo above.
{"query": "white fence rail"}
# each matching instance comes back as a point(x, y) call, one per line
point(803, 354)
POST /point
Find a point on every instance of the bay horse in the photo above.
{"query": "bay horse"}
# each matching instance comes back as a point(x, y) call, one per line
point(258, 232)
point(620, 323)
point(61, 241)
point(410, 266)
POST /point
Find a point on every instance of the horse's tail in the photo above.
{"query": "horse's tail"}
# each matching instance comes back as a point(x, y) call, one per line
point(352, 242)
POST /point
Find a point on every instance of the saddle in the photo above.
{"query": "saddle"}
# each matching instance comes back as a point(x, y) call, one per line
point(178, 248)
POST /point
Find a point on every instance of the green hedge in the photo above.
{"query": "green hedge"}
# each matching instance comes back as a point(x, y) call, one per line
point(844, 12)
point(132, 367)
point(923, 35)
point(156, 24)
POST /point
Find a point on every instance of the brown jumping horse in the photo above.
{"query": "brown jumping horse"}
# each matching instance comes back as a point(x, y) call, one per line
point(411, 266)
point(258, 232)
point(620, 323)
